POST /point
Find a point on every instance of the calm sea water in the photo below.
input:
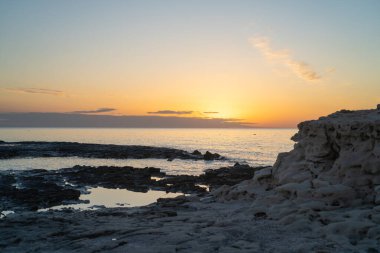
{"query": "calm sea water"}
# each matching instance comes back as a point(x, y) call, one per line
point(253, 146)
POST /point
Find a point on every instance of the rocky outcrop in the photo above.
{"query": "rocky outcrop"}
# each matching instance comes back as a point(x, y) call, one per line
point(329, 182)
point(31, 192)
point(36, 189)
point(23, 149)
point(343, 148)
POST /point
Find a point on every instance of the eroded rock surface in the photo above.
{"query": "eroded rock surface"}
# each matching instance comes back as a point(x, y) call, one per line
point(329, 183)
point(184, 225)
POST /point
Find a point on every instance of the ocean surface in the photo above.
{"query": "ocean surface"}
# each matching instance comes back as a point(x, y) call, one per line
point(255, 147)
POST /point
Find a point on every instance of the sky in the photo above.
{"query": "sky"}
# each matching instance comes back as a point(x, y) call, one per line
point(265, 63)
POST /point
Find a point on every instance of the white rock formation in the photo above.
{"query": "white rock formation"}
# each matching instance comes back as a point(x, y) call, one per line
point(329, 182)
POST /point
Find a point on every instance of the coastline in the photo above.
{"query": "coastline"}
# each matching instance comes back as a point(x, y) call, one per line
point(323, 196)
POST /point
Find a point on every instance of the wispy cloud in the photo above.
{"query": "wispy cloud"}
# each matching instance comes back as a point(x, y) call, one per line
point(36, 91)
point(100, 110)
point(170, 112)
point(90, 120)
point(211, 112)
point(301, 69)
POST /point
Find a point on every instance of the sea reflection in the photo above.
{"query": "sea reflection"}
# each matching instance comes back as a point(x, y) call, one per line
point(99, 197)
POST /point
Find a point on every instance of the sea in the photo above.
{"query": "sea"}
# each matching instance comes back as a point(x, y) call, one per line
point(255, 147)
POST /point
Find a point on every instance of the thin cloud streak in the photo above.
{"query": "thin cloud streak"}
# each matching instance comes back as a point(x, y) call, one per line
point(170, 112)
point(36, 91)
point(301, 69)
point(100, 120)
point(211, 112)
point(100, 110)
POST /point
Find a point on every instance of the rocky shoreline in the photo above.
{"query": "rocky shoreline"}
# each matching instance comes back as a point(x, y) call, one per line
point(37, 189)
point(323, 196)
point(69, 149)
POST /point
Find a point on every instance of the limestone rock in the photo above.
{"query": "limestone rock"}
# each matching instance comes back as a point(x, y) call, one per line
point(329, 180)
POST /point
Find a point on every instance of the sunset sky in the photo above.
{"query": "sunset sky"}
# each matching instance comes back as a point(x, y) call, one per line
point(272, 63)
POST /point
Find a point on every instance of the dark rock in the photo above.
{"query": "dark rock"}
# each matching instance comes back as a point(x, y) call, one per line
point(172, 202)
point(35, 193)
point(196, 152)
point(228, 175)
point(130, 178)
point(7, 181)
point(35, 189)
point(210, 156)
point(160, 214)
point(345, 111)
point(68, 149)
point(260, 215)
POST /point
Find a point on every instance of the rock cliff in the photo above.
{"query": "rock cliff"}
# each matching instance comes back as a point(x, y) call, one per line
point(329, 182)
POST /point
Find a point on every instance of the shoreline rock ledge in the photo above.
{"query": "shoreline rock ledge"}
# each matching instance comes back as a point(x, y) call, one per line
point(329, 183)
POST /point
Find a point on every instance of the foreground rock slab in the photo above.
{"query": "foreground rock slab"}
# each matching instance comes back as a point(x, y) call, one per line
point(171, 225)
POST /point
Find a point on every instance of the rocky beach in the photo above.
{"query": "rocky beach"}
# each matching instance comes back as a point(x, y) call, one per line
point(322, 196)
